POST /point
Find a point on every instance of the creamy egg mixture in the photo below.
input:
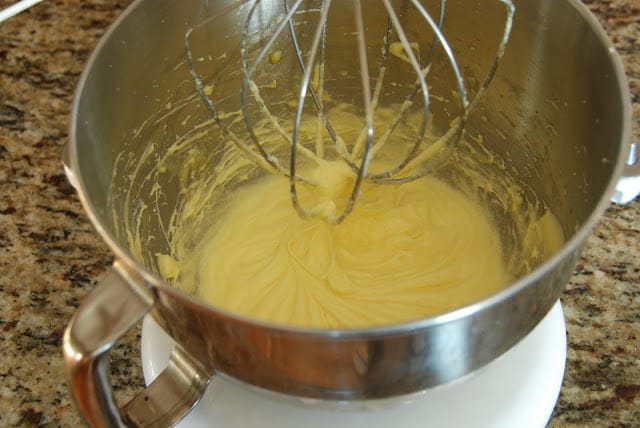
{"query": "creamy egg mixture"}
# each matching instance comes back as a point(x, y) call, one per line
point(407, 251)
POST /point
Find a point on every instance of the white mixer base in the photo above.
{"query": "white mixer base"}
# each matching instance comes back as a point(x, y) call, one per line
point(518, 389)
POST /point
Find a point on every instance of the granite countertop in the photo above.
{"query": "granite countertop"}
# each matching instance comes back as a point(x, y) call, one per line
point(50, 256)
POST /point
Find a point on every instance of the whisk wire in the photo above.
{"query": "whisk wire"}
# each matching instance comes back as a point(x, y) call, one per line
point(420, 159)
point(317, 98)
point(442, 146)
point(506, 34)
point(249, 84)
point(421, 81)
point(259, 157)
point(304, 87)
point(408, 102)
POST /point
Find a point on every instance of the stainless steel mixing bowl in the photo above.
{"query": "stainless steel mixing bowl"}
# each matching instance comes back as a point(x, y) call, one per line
point(558, 111)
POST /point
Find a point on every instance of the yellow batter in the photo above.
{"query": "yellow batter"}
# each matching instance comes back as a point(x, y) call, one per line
point(406, 251)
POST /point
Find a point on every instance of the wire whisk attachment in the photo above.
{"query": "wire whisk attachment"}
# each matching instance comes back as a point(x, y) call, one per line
point(351, 82)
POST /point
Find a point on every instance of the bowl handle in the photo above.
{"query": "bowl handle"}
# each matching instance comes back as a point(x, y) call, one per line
point(628, 187)
point(115, 306)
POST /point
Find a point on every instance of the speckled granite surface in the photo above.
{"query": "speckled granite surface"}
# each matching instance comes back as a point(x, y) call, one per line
point(50, 256)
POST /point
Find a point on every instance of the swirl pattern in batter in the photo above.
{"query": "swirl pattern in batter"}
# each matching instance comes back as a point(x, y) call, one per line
point(406, 252)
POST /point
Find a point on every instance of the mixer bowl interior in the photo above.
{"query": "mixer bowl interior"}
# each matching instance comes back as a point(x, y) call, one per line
point(528, 117)
point(552, 121)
